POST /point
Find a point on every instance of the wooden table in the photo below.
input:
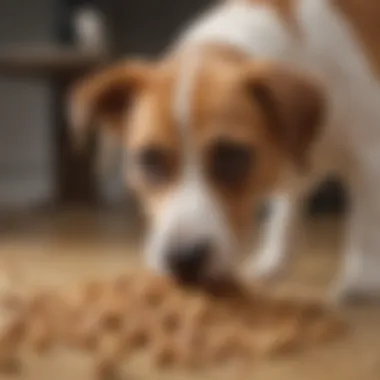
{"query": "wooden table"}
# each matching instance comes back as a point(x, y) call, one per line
point(60, 66)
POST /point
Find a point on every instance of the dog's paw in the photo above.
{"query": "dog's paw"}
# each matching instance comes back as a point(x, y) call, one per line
point(347, 292)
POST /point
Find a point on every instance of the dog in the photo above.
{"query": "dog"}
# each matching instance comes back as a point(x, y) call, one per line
point(255, 100)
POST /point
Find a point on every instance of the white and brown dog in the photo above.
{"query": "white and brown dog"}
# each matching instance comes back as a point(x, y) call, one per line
point(257, 99)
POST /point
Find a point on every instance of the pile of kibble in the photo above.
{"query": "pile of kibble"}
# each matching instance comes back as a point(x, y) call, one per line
point(175, 326)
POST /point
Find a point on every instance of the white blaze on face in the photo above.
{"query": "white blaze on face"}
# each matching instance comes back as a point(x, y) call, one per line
point(191, 214)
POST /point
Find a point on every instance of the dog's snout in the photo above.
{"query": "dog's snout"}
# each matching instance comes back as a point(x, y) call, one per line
point(187, 262)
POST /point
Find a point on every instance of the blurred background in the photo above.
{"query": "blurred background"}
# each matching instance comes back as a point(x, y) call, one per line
point(45, 45)
point(60, 220)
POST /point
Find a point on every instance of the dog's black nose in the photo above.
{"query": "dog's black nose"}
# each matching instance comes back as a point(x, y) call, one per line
point(189, 261)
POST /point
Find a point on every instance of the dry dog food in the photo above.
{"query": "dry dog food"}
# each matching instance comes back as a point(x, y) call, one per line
point(172, 325)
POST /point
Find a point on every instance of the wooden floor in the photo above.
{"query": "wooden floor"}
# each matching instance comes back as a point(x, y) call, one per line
point(62, 249)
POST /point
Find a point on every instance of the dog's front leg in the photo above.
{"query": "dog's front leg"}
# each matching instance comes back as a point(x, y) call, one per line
point(360, 274)
point(273, 254)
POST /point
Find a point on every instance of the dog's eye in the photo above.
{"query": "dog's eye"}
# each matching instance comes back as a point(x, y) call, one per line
point(230, 163)
point(155, 164)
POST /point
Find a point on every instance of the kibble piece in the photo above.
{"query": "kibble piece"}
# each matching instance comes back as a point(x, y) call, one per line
point(12, 331)
point(201, 311)
point(164, 354)
point(40, 337)
point(220, 352)
point(109, 357)
point(137, 336)
point(123, 285)
point(92, 292)
point(10, 365)
point(90, 340)
point(124, 345)
point(154, 292)
point(276, 340)
point(39, 303)
point(218, 346)
point(73, 299)
point(87, 335)
point(12, 303)
point(325, 330)
point(107, 368)
point(11, 335)
point(189, 349)
point(68, 331)
point(288, 338)
point(284, 309)
point(112, 314)
point(16, 330)
point(314, 310)
point(192, 335)
point(71, 314)
point(170, 321)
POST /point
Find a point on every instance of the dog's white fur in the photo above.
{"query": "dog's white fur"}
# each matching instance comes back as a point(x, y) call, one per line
point(191, 213)
point(348, 146)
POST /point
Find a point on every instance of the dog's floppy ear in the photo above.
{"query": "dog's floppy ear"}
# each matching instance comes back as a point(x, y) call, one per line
point(102, 98)
point(293, 106)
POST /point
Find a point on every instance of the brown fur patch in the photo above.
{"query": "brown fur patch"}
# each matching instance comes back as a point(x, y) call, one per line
point(364, 19)
point(102, 97)
point(294, 106)
point(222, 108)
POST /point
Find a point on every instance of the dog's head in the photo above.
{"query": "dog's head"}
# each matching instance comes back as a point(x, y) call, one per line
point(206, 139)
